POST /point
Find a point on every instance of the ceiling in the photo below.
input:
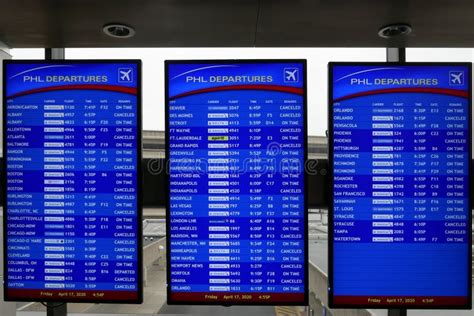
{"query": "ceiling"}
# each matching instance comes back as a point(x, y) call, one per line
point(235, 23)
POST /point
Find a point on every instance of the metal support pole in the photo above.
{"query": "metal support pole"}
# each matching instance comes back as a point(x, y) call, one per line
point(397, 312)
point(55, 309)
point(54, 53)
point(396, 55)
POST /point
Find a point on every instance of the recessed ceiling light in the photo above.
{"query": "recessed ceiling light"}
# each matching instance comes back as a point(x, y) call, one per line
point(394, 30)
point(118, 30)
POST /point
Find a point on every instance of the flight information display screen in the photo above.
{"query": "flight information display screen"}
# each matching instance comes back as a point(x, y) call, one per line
point(236, 147)
point(400, 152)
point(72, 181)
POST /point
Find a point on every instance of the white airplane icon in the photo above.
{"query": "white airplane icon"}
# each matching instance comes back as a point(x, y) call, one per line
point(125, 75)
point(291, 75)
point(456, 78)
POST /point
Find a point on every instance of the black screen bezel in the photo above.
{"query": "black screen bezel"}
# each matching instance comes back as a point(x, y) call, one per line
point(331, 66)
point(139, 170)
point(167, 149)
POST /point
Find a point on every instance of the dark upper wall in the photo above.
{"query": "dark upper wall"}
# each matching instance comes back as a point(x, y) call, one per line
point(235, 23)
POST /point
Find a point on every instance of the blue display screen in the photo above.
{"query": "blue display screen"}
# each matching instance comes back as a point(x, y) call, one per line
point(236, 135)
point(72, 150)
point(400, 149)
